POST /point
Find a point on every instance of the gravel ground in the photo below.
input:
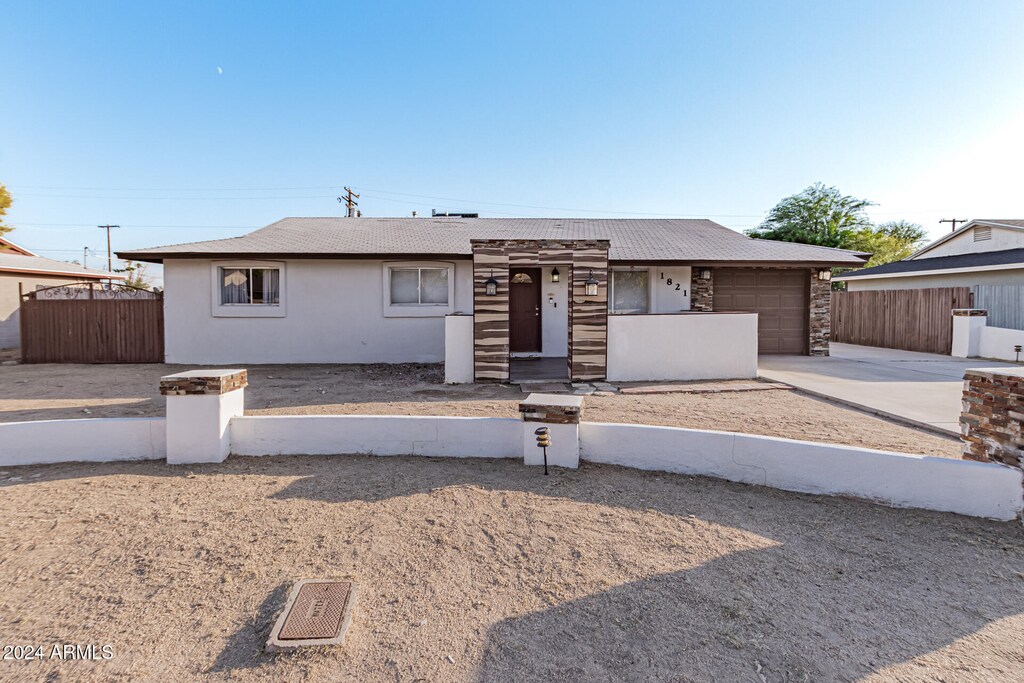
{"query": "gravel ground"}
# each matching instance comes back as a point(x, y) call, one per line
point(487, 571)
point(40, 392)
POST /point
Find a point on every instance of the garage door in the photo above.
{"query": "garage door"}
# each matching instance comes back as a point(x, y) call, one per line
point(779, 297)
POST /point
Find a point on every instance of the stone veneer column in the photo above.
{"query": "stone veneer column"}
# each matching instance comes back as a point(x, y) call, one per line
point(702, 290)
point(200, 405)
point(819, 329)
point(992, 421)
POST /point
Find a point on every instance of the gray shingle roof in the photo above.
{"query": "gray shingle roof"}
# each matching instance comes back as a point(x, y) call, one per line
point(974, 260)
point(648, 239)
point(19, 263)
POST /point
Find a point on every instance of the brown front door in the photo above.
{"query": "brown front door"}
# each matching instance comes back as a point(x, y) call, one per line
point(524, 310)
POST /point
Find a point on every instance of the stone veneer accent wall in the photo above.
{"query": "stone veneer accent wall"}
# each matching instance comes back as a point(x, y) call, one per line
point(588, 316)
point(702, 290)
point(819, 329)
point(992, 421)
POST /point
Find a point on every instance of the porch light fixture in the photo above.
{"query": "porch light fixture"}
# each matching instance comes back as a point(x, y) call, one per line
point(591, 284)
point(825, 275)
point(705, 274)
point(491, 286)
point(555, 275)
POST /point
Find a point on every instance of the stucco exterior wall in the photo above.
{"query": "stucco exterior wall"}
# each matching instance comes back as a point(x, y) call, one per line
point(1002, 238)
point(10, 321)
point(682, 347)
point(1013, 276)
point(334, 313)
point(554, 321)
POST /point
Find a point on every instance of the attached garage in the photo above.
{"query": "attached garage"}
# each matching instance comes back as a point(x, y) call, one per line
point(780, 298)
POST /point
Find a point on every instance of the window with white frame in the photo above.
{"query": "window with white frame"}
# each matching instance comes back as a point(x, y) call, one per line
point(241, 286)
point(418, 286)
point(630, 292)
point(248, 289)
point(418, 289)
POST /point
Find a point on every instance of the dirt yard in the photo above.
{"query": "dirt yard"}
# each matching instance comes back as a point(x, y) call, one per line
point(41, 392)
point(488, 571)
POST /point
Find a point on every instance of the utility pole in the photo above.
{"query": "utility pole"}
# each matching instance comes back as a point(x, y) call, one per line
point(954, 221)
point(349, 200)
point(110, 255)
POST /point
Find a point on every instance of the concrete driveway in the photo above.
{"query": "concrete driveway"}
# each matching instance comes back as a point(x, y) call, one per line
point(920, 388)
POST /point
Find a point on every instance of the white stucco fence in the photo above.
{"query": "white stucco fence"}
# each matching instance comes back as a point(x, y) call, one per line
point(944, 484)
point(453, 437)
point(87, 440)
point(683, 346)
point(917, 481)
point(974, 338)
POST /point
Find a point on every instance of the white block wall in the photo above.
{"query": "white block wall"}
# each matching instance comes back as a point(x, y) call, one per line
point(917, 481)
point(91, 440)
point(998, 342)
point(455, 437)
point(682, 347)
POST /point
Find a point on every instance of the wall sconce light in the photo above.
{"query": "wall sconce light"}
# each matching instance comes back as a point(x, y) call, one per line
point(491, 286)
point(591, 284)
point(825, 275)
point(555, 275)
point(705, 274)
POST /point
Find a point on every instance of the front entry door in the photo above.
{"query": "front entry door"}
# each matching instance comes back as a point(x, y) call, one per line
point(524, 310)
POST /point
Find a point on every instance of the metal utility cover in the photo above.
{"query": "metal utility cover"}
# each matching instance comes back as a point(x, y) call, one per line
point(318, 612)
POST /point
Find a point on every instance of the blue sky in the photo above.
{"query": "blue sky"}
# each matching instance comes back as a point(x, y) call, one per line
point(223, 117)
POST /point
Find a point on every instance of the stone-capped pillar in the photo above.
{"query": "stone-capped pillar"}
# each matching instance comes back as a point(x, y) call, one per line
point(992, 421)
point(967, 326)
point(819, 328)
point(702, 289)
point(200, 405)
point(561, 414)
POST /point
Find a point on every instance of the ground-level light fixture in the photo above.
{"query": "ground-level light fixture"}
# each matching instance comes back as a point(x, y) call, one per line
point(543, 441)
point(591, 284)
point(491, 286)
point(825, 274)
point(555, 275)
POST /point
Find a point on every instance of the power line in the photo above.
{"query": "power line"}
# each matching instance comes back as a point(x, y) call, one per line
point(172, 189)
point(89, 225)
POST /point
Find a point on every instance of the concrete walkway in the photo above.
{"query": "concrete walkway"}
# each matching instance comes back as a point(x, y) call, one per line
point(920, 388)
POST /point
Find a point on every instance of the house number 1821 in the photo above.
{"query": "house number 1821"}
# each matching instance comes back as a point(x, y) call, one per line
point(669, 282)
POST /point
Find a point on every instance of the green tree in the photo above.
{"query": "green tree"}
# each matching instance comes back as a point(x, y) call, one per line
point(888, 242)
point(819, 215)
point(135, 275)
point(5, 203)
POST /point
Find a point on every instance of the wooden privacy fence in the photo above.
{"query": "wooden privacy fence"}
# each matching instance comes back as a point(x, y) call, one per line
point(909, 319)
point(112, 326)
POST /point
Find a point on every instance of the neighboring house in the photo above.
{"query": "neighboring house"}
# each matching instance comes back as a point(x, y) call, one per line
point(615, 298)
point(21, 271)
point(981, 252)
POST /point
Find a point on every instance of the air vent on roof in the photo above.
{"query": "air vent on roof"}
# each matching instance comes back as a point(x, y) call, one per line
point(981, 234)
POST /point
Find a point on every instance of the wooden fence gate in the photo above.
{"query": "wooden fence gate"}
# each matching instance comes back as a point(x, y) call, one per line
point(908, 319)
point(89, 324)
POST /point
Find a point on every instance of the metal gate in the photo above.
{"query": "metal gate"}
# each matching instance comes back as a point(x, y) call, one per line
point(908, 319)
point(91, 323)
